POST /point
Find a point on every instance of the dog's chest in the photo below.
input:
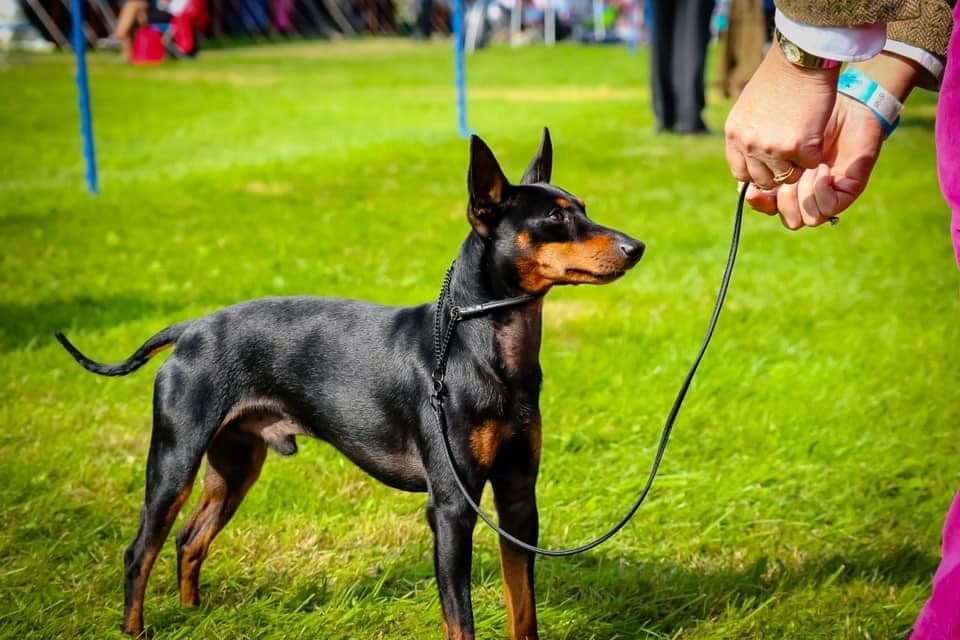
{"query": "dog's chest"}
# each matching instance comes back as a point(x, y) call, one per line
point(517, 343)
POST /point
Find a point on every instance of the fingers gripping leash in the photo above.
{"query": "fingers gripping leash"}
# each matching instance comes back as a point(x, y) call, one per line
point(443, 337)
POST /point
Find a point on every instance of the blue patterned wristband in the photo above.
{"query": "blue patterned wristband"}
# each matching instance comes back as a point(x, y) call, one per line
point(856, 84)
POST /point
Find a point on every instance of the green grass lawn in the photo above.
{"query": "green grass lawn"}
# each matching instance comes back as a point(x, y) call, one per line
point(803, 492)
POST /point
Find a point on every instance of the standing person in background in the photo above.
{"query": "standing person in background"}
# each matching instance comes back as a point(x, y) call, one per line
point(133, 15)
point(769, 13)
point(809, 152)
point(424, 27)
point(282, 11)
point(742, 33)
point(679, 34)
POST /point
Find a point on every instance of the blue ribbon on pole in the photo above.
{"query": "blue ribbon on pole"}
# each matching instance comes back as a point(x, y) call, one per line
point(79, 44)
point(459, 40)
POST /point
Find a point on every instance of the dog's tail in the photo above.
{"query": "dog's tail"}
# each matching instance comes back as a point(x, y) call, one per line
point(150, 348)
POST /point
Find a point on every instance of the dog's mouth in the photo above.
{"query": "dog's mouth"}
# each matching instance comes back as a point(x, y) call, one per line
point(597, 277)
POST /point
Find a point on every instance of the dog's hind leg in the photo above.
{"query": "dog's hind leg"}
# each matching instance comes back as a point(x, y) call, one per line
point(234, 461)
point(172, 463)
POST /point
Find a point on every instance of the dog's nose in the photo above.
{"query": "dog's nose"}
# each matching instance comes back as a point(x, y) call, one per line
point(632, 249)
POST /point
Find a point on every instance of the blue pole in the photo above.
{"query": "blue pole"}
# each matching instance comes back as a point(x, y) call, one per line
point(86, 122)
point(459, 39)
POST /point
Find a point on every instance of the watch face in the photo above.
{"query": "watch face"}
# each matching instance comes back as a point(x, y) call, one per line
point(791, 52)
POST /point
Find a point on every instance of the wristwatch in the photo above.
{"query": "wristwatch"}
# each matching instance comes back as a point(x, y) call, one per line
point(801, 58)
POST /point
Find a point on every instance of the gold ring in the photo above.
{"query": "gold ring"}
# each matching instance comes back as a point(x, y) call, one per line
point(780, 178)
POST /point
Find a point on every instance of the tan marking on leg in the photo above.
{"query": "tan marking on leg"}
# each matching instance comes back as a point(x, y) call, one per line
point(517, 593)
point(133, 624)
point(217, 505)
point(485, 441)
point(200, 530)
point(452, 631)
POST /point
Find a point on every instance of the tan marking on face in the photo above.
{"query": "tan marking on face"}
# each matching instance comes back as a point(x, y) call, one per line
point(580, 202)
point(596, 260)
point(563, 203)
point(523, 240)
point(531, 278)
point(485, 441)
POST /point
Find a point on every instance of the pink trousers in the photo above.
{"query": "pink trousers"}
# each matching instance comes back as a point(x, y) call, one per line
point(940, 617)
point(948, 132)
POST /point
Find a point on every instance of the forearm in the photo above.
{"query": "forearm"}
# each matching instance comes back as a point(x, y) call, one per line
point(895, 73)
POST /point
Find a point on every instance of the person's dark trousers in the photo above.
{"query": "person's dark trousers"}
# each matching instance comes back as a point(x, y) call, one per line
point(678, 51)
point(424, 18)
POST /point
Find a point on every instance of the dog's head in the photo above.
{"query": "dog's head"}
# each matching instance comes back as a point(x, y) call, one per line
point(537, 235)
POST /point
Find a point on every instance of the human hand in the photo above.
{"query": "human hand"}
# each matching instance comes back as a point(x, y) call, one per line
point(778, 122)
point(852, 141)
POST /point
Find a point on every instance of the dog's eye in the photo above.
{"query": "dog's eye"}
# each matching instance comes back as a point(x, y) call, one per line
point(557, 216)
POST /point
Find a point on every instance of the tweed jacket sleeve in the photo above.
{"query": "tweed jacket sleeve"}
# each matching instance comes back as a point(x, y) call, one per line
point(924, 24)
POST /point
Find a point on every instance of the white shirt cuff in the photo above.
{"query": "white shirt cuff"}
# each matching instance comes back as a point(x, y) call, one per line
point(847, 44)
point(924, 58)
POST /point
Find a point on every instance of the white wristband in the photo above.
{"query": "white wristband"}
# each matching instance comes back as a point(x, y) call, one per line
point(864, 89)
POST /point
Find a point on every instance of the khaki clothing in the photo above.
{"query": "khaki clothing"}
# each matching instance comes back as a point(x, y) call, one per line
point(922, 23)
point(741, 47)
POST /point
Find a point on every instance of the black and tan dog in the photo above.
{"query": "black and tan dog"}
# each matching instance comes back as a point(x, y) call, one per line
point(358, 375)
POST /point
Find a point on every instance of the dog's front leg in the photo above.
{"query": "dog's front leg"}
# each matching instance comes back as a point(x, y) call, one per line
point(514, 492)
point(452, 522)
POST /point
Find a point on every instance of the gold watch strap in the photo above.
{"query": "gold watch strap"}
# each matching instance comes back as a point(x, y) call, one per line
point(797, 56)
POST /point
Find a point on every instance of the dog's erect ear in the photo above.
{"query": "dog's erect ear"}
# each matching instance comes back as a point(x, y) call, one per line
point(487, 186)
point(542, 164)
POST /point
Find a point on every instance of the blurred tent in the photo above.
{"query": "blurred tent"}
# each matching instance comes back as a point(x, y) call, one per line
point(228, 18)
point(521, 22)
point(16, 31)
point(515, 21)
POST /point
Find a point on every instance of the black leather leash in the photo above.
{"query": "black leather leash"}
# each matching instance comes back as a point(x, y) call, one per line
point(441, 345)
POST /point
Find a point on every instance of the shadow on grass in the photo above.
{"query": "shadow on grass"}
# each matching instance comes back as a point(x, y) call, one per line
point(27, 326)
point(661, 597)
point(666, 597)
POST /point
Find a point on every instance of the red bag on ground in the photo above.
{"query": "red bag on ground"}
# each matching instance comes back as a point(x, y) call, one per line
point(148, 46)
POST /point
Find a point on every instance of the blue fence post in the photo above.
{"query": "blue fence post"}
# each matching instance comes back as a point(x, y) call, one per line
point(459, 40)
point(83, 99)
